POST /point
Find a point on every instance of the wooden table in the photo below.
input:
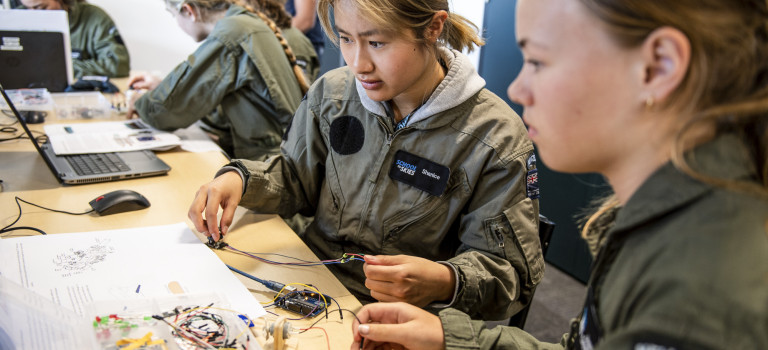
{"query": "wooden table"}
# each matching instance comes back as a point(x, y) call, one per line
point(26, 176)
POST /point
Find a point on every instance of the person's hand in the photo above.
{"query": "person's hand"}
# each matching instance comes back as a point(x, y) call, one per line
point(144, 81)
point(130, 99)
point(224, 191)
point(397, 326)
point(409, 279)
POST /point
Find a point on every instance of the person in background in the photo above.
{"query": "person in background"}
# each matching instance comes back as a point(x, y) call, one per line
point(404, 156)
point(243, 82)
point(97, 47)
point(304, 14)
point(675, 116)
point(308, 60)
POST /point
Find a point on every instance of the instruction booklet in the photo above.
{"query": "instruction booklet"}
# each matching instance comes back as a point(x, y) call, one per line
point(108, 136)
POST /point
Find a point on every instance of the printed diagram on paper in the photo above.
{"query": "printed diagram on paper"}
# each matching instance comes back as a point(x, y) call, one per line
point(75, 262)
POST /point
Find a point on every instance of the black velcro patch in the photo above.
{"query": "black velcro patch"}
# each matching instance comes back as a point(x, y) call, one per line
point(347, 135)
point(421, 173)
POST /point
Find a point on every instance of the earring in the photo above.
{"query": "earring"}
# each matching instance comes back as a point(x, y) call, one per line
point(649, 102)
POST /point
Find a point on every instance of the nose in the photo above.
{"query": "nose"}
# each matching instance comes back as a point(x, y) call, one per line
point(359, 61)
point(519, 90)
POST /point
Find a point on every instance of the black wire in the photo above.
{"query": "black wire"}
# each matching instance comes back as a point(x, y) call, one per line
point(7, 229)
point(53, 210)
point(42, 138)
point(326, 316)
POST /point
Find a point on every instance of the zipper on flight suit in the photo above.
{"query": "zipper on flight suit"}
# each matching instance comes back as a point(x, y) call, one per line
point(499, 236)
point(389, 136)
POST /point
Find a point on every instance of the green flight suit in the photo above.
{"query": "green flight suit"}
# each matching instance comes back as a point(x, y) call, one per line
point(97, 48)
point(238, 81)
point(684, 266)
point(341, 163)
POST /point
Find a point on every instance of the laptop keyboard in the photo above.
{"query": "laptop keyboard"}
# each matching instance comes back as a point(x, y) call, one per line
point(97, 163)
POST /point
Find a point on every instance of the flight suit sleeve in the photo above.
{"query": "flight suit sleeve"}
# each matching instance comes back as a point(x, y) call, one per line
point(109, 55)
point(463, 333)
point(194, 88)
point(288, 183)
point(499, 260)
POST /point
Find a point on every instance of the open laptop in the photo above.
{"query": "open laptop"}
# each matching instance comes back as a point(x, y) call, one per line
point(96, 167)
point(32, 59)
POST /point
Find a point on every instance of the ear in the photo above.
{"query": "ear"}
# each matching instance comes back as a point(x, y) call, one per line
point(435, 28)
point(188, 10)
point(666, 55)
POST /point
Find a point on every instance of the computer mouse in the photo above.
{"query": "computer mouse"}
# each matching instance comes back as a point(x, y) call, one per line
point(33, 117)
point(119, 201)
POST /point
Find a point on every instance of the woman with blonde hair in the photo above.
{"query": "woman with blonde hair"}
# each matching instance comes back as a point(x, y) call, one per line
point(669, 101)
point(244, 82)
point(404, 156)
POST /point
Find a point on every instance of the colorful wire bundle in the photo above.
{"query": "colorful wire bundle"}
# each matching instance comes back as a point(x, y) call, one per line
point(198, 328)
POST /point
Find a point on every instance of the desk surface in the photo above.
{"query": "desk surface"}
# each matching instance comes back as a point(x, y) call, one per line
point(25, 175)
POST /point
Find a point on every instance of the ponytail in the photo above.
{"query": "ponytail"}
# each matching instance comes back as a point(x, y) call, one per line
point(302, 80)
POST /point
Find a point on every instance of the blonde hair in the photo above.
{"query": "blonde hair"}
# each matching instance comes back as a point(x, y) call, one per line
point(206, 6)
point(416, 15)
point(726, 86)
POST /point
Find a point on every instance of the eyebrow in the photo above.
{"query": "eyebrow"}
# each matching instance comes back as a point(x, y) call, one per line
point(525, 42)
point(363, 34)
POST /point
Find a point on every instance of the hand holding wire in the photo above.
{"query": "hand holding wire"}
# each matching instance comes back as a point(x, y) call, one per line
point(398, 325)
point(410, 279)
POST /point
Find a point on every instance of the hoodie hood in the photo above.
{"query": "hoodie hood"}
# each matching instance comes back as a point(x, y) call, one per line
point(460, 83)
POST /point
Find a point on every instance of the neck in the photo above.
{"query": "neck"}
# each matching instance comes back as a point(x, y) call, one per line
point(404, 104)
point(628, 173)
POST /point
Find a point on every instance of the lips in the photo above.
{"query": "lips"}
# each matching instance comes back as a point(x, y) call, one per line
point(370, 84)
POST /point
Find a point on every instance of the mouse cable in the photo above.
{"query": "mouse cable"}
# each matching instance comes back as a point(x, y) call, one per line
point(7, 129)
point(7, 229)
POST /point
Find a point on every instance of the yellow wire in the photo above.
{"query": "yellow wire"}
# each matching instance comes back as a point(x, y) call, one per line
point(300, 284)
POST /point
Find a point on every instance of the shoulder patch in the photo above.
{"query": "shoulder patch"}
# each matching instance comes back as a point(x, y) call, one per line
point(347, 135)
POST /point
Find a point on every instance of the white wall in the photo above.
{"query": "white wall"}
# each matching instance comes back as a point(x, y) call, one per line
point(156, 43)
point(154, 40)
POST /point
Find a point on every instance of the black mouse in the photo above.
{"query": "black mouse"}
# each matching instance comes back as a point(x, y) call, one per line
point(118, 202)
point(33, 117)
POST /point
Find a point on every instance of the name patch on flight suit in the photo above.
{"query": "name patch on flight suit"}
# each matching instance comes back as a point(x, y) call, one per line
point(421, 173)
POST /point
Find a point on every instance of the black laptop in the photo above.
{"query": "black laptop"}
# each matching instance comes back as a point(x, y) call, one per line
point(96, 167)
point(32, 60)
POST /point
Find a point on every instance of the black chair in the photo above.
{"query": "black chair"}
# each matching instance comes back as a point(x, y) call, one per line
point(546, 227)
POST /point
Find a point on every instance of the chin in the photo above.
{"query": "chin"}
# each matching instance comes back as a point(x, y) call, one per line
point(377, 96)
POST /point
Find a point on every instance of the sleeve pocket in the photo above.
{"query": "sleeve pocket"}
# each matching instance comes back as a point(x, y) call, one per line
point(524, 220)
point(515, 237)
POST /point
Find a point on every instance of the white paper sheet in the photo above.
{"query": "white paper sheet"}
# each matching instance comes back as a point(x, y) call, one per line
point(103, 137)
point(76, 268)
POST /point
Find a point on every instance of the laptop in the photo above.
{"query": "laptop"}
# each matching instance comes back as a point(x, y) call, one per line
point(33, 60)
point(95, 167)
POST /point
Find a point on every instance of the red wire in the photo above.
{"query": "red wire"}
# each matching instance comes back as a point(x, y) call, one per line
point(327, 339)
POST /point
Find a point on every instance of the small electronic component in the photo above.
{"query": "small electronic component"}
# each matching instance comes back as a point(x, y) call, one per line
point(305, 302)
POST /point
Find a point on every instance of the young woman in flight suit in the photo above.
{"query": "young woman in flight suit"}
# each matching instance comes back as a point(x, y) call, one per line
point(97, 47)
point(676, 117)
point(402, 155)
point(244, 81)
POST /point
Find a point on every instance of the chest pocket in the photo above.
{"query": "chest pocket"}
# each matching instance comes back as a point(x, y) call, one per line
point(423, 228)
